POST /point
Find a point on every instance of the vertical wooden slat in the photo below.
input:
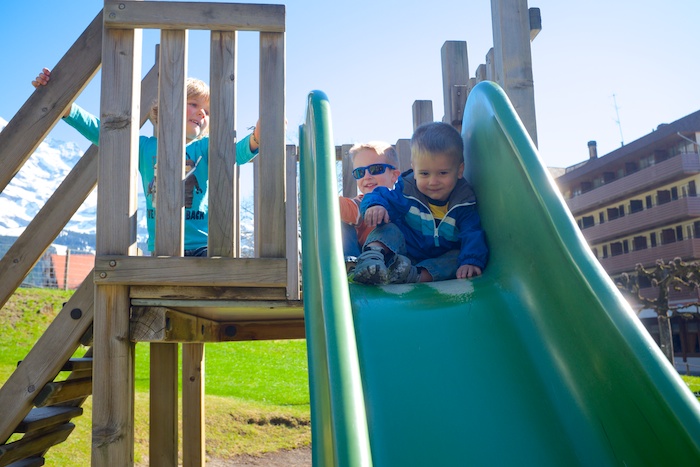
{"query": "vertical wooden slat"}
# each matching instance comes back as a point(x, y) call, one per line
point(403, 148)
point(222, 145)
point(113, 403)
point(349, 183)
point(422, 113)
point(455, 71)
point(272, 235)
point(170, 197)
point(292, 226)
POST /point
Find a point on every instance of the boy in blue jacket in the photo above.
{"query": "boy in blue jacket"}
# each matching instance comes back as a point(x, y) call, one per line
point(428, 228)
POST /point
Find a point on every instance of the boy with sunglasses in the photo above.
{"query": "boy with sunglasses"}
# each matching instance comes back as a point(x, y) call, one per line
point(374, 164)
point(428, 228)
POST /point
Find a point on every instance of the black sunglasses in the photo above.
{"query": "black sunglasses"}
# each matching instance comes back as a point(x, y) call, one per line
point(374, 169)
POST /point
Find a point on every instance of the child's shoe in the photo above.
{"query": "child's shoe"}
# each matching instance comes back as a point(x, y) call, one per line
point(402, 271)
point(370, 268)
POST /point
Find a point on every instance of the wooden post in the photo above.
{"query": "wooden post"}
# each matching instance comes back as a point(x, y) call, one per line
point(292, 222)
point(455, 72)
point(170, 196)
point(270, 241)
point(349, 183)
point(66, 269)
point(513, 58)
point(403, 148)
point(490, 66)
point(422, 113)
point(113, 372)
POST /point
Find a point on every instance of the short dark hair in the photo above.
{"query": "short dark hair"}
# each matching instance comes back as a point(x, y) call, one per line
point(437, 137)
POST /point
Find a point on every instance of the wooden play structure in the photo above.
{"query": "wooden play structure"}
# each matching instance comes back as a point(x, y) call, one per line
point(167, 299)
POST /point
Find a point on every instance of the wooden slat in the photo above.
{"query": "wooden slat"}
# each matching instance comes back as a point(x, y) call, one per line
point(44, 417)
point(63, 391)
point(293, 292)
point(270, 241)
point(422, 113)
point(45, 359)
point(31, 462)
point(34, 445)
point(28, 128)
point(403, 148)
point(190, 15)
point(268, 330)
point(77, 364)
point(170, 189)
point(223, 189)
point(207, 293)
point(113, 404)
point(140, 270)
point(349, 183)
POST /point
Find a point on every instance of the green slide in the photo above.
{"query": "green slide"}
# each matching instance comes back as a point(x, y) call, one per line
point(539, 361)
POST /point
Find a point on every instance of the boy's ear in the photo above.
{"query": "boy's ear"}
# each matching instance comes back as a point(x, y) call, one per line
point(460, 170)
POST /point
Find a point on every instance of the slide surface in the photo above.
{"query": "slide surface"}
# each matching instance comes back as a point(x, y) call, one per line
point(540, 361)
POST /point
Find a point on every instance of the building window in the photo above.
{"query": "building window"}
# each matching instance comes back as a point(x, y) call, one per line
point(636, 205)
point(625, 246)
point(608, 177)
point(652, 239)
point(692, 191)
point(630, 167)
point(595, 252)
point(605, 251)
point(586, 186)
point(613, 213)
point(639, 243)
point(587, 222)
point(621, 210)
point(696, 228)
point(601, 218)
point(674, 193)
point(615, 249)
point(679, 233)
point(648, 200)
point(668, 236)
point(663, 196)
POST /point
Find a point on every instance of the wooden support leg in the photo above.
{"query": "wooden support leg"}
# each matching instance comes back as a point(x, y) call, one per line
point(113, 379)
point(163, 414)
point(193, 452)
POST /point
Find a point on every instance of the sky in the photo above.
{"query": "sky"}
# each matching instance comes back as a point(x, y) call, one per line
point(609, 71)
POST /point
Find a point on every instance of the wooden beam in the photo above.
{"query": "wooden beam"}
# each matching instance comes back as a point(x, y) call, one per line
point(292, 223)
point(207, 293)
point(124, 14)
point(30, 445)
point(163, 324)
point(59, 392)
point(422, 112)
point(455, 71)
point(535, 22)
point(191, 271)
point(30, 125)
point(193, 410)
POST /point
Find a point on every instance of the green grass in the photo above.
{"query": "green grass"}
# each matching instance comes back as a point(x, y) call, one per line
point(257, 397)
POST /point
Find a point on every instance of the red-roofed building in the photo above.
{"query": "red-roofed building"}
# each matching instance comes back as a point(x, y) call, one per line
point(62, 277)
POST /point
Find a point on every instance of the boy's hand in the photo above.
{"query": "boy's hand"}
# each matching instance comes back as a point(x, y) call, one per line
point(43, 78)
point(376, 215)
point(468, 270)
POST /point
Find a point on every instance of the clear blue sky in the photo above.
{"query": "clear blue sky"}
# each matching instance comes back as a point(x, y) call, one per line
point(375, 58)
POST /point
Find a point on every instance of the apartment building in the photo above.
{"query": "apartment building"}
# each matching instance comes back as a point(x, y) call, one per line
point(639, 204)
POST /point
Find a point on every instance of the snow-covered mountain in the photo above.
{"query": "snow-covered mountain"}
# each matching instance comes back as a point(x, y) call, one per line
point(36, 182)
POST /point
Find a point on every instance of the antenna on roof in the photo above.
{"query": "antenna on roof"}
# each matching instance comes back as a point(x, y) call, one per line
point(619, 125)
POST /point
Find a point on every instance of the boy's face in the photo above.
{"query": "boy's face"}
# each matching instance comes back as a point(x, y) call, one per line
point(436, 175)
point(367, 184)
point(197, 122)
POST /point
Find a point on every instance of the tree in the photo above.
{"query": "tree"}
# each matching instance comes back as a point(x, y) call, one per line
point(674, 275)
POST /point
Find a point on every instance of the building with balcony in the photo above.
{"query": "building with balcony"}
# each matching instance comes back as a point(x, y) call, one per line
point(639, 204)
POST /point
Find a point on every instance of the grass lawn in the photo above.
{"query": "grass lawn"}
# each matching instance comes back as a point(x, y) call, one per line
point(257, 396)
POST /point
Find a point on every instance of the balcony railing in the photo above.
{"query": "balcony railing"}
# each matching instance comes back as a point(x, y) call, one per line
point(646, 179)
point(656, 216)
point(687, 250)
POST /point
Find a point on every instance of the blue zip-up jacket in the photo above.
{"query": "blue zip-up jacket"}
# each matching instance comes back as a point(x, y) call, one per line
point(459, 229)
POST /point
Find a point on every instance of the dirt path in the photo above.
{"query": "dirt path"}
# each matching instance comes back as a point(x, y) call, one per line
point(293, 458)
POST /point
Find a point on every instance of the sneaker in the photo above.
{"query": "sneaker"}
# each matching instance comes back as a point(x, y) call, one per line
point(402, 271)
point(370, 268)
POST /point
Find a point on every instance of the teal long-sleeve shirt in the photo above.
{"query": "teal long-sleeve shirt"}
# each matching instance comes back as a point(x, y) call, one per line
point(196, 178)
